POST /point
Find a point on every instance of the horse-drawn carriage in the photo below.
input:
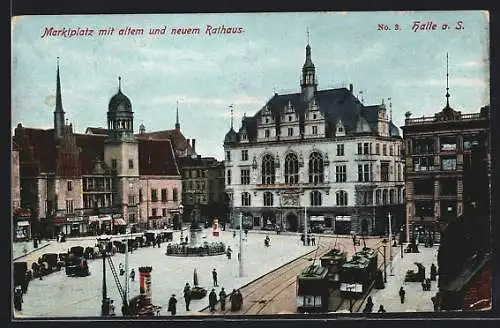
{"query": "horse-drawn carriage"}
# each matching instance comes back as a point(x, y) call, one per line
point(76, 264)
point(412, 276)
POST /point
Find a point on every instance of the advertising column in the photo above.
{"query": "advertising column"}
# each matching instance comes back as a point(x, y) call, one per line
point(145, 284)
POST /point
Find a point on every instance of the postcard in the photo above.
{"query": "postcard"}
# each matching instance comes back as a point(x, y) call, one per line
point(181, 165)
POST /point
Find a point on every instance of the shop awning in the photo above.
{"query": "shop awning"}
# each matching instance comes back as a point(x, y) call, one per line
point(343, 218)
point(21, 212)
point(119, 222)
point(93, 218)
point(105, 217)
point(23, 223)
point(317, 218)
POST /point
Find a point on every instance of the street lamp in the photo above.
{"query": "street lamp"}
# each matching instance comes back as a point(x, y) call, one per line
point(103, 242)
point(181, 210)
point(390, 242)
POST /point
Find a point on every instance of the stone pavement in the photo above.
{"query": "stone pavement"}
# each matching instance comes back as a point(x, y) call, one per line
point(416, 300)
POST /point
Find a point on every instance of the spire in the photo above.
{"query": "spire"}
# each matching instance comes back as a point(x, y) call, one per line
point(447, 88)
point(231, 106)
point(119, 84)
point(59, 106)
point(177, 124)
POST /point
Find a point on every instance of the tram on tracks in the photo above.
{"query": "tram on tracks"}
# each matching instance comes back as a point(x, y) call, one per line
point(355, 276)
point(312, 289)
point(372, 256)
point(333, 261)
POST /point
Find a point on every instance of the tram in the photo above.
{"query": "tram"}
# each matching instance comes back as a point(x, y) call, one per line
point(371, 255)
point(312, 292)
point(333, 261)
point(354, 276)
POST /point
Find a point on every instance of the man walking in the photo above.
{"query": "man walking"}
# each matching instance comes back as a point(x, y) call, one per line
point(212, 300)
point(132, 275)
point(187, 295)
point(402, 295)
point(222, 299)
point(214, 277)
point(172, 305)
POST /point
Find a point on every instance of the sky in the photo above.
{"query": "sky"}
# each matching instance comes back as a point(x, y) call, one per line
point(205, 74)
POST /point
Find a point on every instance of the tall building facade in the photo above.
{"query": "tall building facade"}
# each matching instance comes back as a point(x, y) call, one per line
point(319, 155)
point(437, 148)
point(82, 183)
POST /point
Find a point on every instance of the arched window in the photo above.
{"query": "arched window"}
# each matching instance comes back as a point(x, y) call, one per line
point(391, 197)
point(378, 197)
point(341, 198)
point(291, 169)
point(384, 197)
point(245, 199)
point(315, 198)
point(268, 170)
point(268, 198)
point(316, 168)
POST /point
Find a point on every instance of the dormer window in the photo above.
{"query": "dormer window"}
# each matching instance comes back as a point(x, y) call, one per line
point(267, 133)
point(267, 119)
point(340, 129)
point(314, 116)
point(289, 118)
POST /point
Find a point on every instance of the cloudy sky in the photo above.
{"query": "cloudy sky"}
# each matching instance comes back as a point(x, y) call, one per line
point(207, 73)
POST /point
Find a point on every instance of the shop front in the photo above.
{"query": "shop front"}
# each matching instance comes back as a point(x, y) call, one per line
point(71, 225)
point(119, 224)
point(317, 223)
point(22, 224)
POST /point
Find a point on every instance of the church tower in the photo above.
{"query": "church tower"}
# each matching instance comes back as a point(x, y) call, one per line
point(308, 81)
point(58, 112)
point(121, 154)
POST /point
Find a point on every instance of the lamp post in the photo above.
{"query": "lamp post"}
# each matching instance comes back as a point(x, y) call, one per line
point(241, 245)
point(103, 242)
point(181, 210)
point(305, 221)
point(390, 242)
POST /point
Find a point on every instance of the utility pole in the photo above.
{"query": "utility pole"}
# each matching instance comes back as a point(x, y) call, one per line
point(390, 243)
point(241, 244)
point(125, 301)
point(385, 266)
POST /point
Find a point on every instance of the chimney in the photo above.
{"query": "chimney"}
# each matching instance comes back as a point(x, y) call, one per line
point(350, 87)
point(188, 142)
point(193, 145)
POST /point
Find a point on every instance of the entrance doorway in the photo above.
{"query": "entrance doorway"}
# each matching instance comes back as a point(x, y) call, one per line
point(364, 227)
point(292, 222)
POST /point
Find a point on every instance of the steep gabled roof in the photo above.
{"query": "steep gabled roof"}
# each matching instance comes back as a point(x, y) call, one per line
point(37, 146)
point(100, 131)
point(91, 148)
point(179, 142)
point(156, 157)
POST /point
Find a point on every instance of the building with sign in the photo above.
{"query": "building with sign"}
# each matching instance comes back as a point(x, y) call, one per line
point(316, 153)
point(90, 183)
point(438, 147)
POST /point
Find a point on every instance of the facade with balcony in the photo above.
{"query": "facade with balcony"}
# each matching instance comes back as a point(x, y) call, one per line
point(316, 155)
point(436, 149)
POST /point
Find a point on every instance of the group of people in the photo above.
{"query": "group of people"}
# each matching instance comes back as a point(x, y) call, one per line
point(235, 298)
point(309, 241)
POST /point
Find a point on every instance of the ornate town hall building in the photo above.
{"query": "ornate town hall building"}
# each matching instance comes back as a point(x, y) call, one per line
point(101, 180)
point(319, 154)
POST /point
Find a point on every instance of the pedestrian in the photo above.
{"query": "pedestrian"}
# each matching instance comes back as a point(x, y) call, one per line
point(434, 303)
point(214, 277)
point(402, 295)
point(132, 275)
point(122, 270)
point(234, 233)
point(433, 272)
point(111, 308)
point(246, 233)
point(228, 252)
point(232, 299)
point(172, 305)
point(187, 295)
point(303, 239)
point(313, 240)
point(18, 299)
point(222, 299)
point(381, 309)
point(186, 239)
point(369, 305)
point(239, 300)
point(308, 241)
point(212, 300)
point(25, 282)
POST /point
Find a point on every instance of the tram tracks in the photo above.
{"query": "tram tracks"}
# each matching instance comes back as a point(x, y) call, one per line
point(262, 292)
